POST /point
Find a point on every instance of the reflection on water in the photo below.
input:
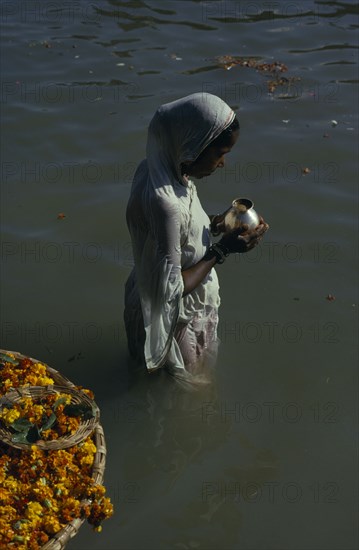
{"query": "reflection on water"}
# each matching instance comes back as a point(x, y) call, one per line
point(143, 21)
point(178, 434)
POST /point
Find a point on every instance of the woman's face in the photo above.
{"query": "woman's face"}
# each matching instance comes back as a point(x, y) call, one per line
point(210, 159)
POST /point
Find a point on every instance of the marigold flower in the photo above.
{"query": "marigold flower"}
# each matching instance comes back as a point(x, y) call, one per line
point(33, 511)
point(9, 415)
point(52, 525)
point(34, 508)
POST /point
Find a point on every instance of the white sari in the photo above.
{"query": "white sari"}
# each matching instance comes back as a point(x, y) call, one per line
point(170, 232)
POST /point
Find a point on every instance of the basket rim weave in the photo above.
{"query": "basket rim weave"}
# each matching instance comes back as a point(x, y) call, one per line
point(85, 428)
point(60, 539)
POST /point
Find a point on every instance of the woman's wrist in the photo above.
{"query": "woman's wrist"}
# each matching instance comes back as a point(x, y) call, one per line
point(218, 251)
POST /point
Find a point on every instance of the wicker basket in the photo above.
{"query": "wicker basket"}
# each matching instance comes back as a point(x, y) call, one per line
point(59, 541)
point(58, 378)
point(86, 427)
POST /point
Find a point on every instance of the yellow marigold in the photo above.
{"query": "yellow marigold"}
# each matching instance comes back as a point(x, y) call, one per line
point(70, 509)
point(61, 490)
point(88, 446)
point(6, 385)
point(9, 415)
point(87, 460)
point(4, 495)
point(52, 525)
point(36, 413)
point(25, 404)
point(41, 491)
point(33, 511)
point(44, 381)
point(36, 453)
point(39, 368)
point(8, 513)
point(66, 396)
point(11, 484)
point(31, 379)
point(4, 462)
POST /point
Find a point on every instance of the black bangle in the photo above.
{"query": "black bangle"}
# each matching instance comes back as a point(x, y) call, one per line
point(223, 248)
point(218, 251)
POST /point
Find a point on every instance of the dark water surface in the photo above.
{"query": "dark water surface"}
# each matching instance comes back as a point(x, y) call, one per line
point(266, 458)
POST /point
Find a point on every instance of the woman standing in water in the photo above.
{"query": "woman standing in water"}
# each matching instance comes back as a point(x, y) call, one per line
point(172, 294)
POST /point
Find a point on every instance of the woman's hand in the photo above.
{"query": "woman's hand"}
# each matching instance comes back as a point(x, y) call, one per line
point(217, 224)
point(243, 239)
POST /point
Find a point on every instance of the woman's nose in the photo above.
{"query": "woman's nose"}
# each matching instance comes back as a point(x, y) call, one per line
point(221, 163)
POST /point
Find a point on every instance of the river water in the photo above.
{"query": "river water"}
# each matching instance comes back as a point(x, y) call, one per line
point(265, 458)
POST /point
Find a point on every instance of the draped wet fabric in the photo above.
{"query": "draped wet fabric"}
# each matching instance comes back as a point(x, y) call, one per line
point(170, 232)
